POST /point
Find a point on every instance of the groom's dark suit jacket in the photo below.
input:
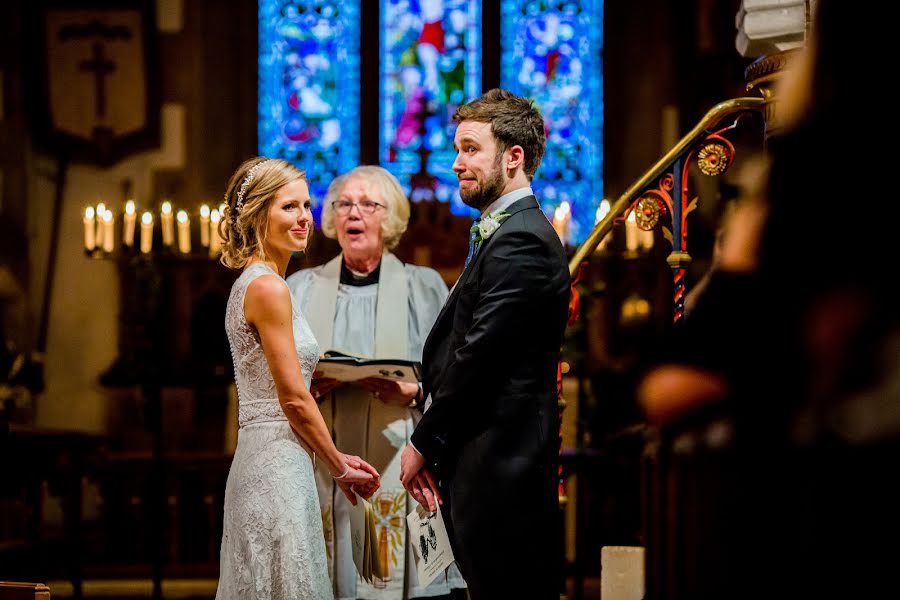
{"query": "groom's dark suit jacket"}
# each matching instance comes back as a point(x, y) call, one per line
point(491, 433)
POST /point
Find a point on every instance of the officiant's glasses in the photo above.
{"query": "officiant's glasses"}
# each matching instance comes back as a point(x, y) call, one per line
point(366, 207)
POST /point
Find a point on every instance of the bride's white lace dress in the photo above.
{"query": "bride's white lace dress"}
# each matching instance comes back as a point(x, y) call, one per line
point(272, 544)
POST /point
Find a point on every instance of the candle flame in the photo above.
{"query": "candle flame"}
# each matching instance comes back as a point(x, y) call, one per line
point(147, 218)
point(204, 211)
point(107, 215)
point(562, 211)
point(214, 216)
point(182, 216)
point(602, 210)
point(89, 212)
point(129, 207)
point(166, 208)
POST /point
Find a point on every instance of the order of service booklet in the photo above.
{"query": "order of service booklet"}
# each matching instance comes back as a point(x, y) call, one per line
point(346, 367)
point(364, 540)
point(430, 543)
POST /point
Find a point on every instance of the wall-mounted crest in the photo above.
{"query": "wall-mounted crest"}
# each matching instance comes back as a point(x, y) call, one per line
point(95, 78)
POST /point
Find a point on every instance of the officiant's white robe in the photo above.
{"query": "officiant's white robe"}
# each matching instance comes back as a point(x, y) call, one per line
point(387, 320)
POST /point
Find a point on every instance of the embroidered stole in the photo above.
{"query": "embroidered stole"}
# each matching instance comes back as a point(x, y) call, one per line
point(363, 425)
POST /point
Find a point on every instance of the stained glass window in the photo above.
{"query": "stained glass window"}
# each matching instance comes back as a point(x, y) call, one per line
point(309, 86)
point(430, 64)
point(551, 52)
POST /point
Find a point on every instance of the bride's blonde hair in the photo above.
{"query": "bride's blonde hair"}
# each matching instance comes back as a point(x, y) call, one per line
point(250, 192)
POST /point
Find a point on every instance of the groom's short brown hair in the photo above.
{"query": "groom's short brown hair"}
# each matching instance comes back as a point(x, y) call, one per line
point(515, 121)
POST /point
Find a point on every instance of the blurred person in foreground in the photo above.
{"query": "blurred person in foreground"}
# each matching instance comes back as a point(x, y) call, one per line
point(796, 341)
point(368, 303)
point(272, 542)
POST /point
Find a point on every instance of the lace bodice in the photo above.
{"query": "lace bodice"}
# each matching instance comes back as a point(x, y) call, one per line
point(257, 398)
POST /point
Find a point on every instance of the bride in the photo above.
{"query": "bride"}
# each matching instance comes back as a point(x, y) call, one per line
point(273, 547)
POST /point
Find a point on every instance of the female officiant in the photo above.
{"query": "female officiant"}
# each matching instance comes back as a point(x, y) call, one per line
point(368, 303)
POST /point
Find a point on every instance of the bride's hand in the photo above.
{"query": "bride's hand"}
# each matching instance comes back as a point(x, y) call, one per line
point(359, 476)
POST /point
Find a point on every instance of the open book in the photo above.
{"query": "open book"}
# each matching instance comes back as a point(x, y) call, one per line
point(364, 540)
point(346, 367)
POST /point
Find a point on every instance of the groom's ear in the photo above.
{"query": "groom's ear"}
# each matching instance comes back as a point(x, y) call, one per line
point(515, 158)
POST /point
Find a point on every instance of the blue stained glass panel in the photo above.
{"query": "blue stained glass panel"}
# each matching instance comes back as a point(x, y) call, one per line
point(430, 64)
point(551, 53)
point(309, 87)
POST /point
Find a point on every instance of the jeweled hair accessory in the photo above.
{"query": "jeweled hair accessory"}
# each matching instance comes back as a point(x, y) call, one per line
point(244, 185)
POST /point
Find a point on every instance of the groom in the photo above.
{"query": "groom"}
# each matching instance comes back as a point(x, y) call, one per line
point(488, 443)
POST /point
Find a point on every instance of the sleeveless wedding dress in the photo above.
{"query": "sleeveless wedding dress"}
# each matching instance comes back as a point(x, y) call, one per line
point(273, 547)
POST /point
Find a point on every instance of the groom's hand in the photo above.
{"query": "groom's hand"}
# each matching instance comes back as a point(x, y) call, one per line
point(424, 489)
point(411, 462)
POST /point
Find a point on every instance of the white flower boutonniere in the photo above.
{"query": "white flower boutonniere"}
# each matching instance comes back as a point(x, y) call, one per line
point(488, 225)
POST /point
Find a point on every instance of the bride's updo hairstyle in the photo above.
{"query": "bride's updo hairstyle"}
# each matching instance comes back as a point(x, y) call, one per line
point(247, 200)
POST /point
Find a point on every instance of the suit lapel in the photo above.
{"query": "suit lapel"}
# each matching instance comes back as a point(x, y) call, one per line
point(517, 206)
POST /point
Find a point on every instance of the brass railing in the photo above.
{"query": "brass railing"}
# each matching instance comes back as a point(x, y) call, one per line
point(689, 142)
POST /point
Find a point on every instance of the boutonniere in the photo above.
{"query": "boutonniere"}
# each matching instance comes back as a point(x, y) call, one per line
point(486, 227)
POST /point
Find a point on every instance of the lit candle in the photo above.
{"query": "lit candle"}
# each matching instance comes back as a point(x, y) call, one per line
point(631, 233)
point(128, 225)
point(204, 226)
point(146, 232)
point(215, 242)
point(184, 232)
point(561, 221)
point(89, 231)
point(98, 235)
point(167, 223)
point(108, 231)
point(646, 239)
point(602, 211)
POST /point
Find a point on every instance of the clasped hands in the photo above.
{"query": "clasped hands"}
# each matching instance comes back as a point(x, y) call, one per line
point(360, 477)
point(418, 480)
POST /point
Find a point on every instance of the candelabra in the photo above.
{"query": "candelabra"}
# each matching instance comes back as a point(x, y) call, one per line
point(147, 248)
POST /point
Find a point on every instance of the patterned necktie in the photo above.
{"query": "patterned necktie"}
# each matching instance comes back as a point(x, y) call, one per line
point(473, 242)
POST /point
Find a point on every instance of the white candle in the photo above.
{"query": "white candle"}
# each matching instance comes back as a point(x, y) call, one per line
point(146, 232)
point(561, 217)
point(215, 241)
point(98, 235)
point(90, 240)
point(602, 211)
point(128, 224)
point(184, 232)
point(631, 233)
point(646, 239)
point(108, 242)
point(167, 223)
point(204, 226)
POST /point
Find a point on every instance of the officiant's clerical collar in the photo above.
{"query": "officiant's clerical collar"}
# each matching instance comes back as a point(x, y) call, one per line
point(349, 277)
